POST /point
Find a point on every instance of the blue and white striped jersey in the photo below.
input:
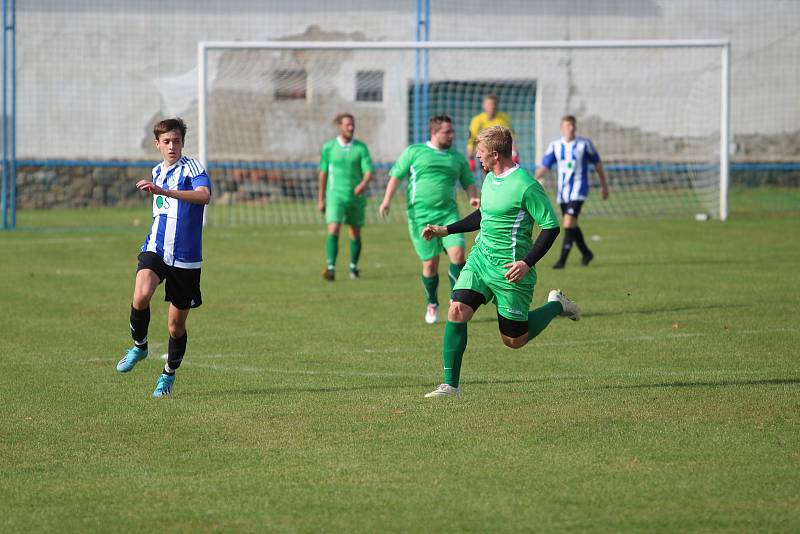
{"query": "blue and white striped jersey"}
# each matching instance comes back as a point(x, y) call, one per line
point(573, 160)
point(177, 231)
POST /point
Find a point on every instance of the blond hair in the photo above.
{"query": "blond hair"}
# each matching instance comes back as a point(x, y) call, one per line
point(497, 139)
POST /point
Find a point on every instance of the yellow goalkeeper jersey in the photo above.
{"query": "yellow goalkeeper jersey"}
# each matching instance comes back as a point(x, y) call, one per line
point(481, 122)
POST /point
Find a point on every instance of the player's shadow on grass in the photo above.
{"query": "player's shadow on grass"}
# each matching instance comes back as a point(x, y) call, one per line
point(709, 384)
point(663, 309)
point(282, 390)
point(684, 261)
point(422, 386)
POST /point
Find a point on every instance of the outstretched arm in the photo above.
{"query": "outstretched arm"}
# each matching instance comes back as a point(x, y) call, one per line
point(470, 223)
point(201, 195)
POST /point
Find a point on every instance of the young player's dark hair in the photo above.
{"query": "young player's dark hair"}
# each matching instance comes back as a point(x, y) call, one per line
point(341, 116)
point(168, 125)
point(436, 122)
point(570, 118)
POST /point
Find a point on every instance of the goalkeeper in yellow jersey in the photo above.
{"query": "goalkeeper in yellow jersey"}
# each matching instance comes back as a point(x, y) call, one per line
point(345, 169)
point(489, 117)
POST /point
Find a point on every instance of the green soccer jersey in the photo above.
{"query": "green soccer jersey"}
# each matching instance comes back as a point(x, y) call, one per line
point(432, 176)
point(345, 165)
point(510, 204)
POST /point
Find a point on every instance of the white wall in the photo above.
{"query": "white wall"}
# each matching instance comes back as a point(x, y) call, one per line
point(93, 75)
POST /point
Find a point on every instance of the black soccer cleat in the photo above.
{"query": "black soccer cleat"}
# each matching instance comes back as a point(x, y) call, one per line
point(559, 265)
point(586, 259)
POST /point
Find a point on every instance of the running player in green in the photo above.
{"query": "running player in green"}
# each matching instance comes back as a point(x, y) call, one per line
point(501, 263)
point(433, 169)
point(345, 169)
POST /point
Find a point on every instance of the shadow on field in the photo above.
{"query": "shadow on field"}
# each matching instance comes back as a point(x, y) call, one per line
point(424, 387)
point(710, 384)
point(282, 390)
point(671, 262)
point(662, 309)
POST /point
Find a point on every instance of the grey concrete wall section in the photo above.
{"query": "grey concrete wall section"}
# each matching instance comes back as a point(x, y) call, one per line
point(95, 74)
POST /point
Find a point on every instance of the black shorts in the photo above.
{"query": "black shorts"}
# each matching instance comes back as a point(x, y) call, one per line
point(183, 285)
point(475, 300)
point(572, 208)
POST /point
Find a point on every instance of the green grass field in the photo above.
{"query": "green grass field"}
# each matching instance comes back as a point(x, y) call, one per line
point(673, 405)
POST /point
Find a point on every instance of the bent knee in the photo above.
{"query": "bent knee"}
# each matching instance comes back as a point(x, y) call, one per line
point(457, 256)
point(176, 329)
point(459, 312)
point(141, 301)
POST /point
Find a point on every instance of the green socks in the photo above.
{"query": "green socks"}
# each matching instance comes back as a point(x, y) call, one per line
point(355, 252)
point(431, 286)
point(455, 339)
point(452, 273)
point(539, 318)
point(332, 250)
point(453, 347)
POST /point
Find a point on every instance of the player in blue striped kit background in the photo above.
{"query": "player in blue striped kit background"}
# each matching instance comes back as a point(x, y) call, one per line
point(172, 251)
point(573, 155)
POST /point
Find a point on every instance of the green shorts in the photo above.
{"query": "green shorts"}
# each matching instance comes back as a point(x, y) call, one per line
point(513, 300)
point(346, 211)
point(430, 249)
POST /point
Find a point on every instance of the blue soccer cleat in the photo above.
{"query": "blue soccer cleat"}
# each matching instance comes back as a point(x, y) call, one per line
point(164, 385)
point(134, 356)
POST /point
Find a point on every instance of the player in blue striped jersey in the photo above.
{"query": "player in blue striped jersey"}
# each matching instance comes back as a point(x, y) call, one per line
point(572, 155)
point(172, 251)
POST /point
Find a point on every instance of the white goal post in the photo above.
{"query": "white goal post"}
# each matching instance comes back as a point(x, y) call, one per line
point(722, 45)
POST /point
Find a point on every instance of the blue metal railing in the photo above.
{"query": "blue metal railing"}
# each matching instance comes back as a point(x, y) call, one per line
point(8, 121)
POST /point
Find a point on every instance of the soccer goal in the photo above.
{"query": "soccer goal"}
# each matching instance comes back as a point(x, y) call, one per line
point(657, 111)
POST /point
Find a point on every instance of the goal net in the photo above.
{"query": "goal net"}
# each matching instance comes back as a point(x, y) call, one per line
point(656, 111)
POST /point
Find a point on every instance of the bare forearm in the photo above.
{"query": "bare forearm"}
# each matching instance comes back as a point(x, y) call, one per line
point(390, 189)
point(540, 172)
point(323, 180)
point(200, 195)
point(601, 172)
point(472, 191)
